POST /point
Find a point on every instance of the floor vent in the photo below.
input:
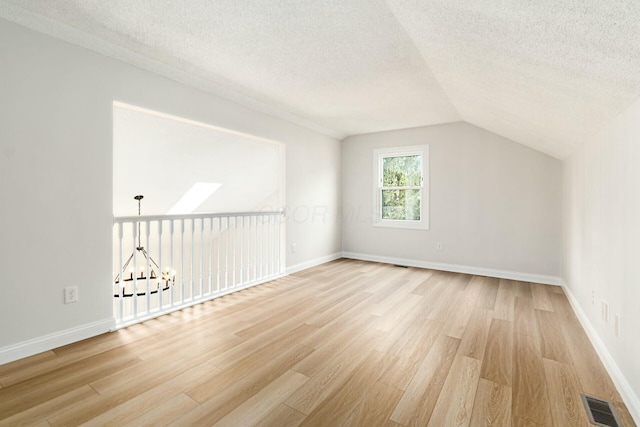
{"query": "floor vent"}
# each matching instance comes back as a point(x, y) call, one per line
point(600, 412)
point(401, 266)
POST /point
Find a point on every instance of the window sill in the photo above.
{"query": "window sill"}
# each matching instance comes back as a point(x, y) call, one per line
point(413, 225)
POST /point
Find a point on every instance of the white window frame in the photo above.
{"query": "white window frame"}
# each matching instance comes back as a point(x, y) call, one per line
point(378, 155)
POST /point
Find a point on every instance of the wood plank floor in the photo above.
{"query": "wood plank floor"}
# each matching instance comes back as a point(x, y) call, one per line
point(344, 343)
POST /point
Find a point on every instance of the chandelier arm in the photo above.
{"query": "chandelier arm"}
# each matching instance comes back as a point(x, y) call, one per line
point(124, 268)
point(148, 257)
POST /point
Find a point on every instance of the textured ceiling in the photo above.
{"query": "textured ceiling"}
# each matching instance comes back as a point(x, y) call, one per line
point(543, 73)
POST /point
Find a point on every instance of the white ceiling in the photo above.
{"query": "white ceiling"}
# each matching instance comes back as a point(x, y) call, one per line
point(543, 73)
point(247, 169)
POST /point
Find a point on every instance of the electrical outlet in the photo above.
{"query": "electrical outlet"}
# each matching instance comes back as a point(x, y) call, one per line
point(293, 248)
point(70, 294)
point(439, 246)
point(616, 319)
point(605, 312)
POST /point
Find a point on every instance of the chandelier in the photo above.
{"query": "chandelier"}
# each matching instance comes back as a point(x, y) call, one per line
point(162, 283)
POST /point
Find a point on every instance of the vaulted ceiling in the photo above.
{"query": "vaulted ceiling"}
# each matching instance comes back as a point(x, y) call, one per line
point(544, 73)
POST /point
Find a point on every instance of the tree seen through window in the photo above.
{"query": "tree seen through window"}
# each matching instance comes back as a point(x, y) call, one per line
point(401, 183)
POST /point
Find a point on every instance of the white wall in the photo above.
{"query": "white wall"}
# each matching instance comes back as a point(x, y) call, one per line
point(162, 158)
point(602, 241)
point(56, 177)
point(494, 204)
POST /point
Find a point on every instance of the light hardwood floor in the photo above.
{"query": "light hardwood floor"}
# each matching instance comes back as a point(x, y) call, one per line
point(345, 343)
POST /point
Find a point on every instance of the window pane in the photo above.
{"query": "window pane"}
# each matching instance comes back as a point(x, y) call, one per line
point(401, 204)
point(401, 171)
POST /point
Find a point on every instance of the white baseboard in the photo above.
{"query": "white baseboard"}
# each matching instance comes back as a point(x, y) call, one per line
point(624, 388)
point(455, 268)
point(54, 340)
point(312, 263)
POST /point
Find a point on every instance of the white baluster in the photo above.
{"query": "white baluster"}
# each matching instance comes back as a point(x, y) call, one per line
point(135, 271)
point(193, 255)
point(218, 255)
point(182, 261)
point(148, 267)
point(210, 288)
point(248, 229)
point(161, 282)
point(277, 243)
point(201, 256)
point(271, 240)
point(261, 232)
point(171, 264)
point(265, 238)
point(235, 232)
point(264, 248)
point(226, 257)
point(121, 282)
point(241, 249)
point(280, 240)
point(255, 251)
point(276, 268)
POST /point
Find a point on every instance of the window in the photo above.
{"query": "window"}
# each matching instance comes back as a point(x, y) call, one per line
point(401, 196)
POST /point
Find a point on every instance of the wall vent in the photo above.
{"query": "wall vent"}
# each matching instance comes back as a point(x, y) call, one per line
point(600, 412)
